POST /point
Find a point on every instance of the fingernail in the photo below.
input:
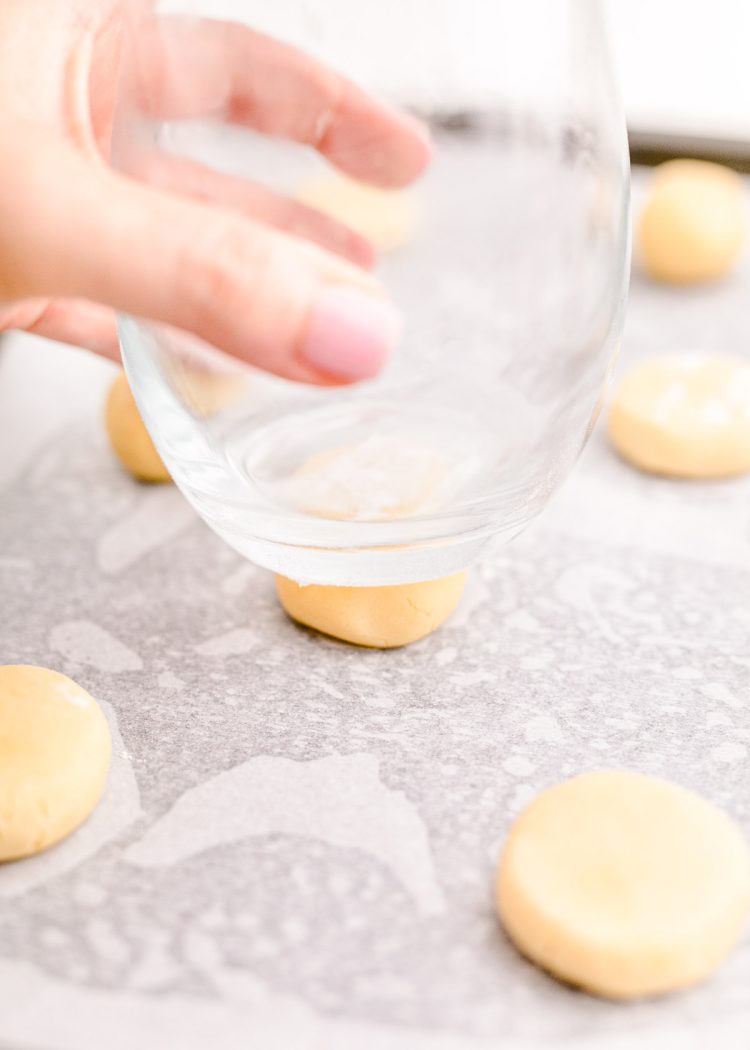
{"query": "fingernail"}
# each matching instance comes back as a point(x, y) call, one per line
point(350, 334)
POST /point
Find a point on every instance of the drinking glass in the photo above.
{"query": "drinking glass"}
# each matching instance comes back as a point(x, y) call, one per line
point(511, 278)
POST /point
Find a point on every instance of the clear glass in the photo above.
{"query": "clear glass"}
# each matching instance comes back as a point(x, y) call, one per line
point(512, 286)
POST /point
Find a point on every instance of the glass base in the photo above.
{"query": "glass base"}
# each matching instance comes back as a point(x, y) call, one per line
point(377, 567)
point(361, 461)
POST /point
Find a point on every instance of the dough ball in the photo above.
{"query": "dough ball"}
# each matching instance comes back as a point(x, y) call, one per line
point(624, 884)
point(386, 218)
point(54, 757)
point(208, 392)
point(377, 617)
point(128, 435)
point(685, 415)
point(693, 223)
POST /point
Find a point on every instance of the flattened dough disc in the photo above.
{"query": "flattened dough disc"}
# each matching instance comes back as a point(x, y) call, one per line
point(624, 884)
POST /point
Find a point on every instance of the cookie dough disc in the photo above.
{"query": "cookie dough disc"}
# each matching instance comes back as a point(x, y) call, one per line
point(685, 415)
point(377, 479)
point(386, 218)
point(128, 436)
point(624, 884)
point(377, 617)
point(692, 226)
point(54, 757)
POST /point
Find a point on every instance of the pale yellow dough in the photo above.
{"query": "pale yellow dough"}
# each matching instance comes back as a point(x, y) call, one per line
point(54, 757)
point(377, 479)
point(692, 226)
point(685, 415)
point(128, 436)
point(376, 617)
point(386, 218)
point(624, 884)
point(207, 392)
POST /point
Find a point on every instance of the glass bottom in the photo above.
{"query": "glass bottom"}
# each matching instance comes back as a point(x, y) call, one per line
point(363, 470)
point(365, 462)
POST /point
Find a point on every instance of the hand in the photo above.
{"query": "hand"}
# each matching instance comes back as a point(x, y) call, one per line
point(254, 273)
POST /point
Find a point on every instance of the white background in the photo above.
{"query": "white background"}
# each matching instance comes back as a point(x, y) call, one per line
point(684, 64)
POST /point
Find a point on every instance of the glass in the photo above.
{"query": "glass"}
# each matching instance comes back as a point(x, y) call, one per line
point(512, 286)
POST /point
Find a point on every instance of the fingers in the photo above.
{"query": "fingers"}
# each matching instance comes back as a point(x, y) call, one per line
point(190, 68)
point(77, 323)
point(272, 300)
point(252, 199)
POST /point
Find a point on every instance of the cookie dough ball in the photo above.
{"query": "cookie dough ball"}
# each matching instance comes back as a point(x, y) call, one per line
point(685, 415)
point(128, 436)
point(386, 218)
point(624, 884)
point(54, 757)
point(693, 224)
point(208, 392)
point(376, 617)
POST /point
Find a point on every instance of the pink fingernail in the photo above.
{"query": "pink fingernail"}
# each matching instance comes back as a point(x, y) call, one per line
point(351, 334)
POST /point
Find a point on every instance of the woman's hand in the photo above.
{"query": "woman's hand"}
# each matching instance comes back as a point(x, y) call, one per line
point(256, 274)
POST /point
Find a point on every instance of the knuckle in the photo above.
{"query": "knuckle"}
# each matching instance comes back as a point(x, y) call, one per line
point(241, 288)
point(333, 91)
point(216, 265)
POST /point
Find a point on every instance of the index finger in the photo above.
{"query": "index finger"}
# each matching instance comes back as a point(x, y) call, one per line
point(188, 68)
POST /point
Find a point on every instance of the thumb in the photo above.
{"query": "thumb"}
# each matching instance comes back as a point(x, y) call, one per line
point(71, 227)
